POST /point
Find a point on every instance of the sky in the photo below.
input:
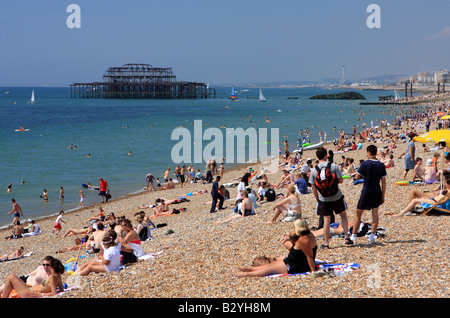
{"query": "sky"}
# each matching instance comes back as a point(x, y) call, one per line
point(223, 42)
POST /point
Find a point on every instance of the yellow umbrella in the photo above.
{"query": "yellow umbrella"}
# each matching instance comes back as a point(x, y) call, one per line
point(445, 117)
point(435, 136)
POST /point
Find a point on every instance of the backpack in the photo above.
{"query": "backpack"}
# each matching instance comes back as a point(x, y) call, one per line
point(270, 195)
point(326, 181)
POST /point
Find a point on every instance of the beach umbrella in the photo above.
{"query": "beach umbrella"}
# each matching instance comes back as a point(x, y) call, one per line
point(445, 117)
point(435, 136)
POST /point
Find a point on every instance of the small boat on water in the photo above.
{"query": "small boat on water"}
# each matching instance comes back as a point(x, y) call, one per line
point(32, 98)
point(261, 96)
point(310, 146)
point(22, 129)
point(233, 96)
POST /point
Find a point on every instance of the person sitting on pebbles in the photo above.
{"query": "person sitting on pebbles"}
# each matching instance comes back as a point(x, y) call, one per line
point(417, 197)
point(302, 246)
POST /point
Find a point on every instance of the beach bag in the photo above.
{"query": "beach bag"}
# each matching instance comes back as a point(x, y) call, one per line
point(270, 195)
point(128, 258)
point(326, 181)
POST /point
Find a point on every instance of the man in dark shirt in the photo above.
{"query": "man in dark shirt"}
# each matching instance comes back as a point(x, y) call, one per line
point(216, 196)
point(372, 194)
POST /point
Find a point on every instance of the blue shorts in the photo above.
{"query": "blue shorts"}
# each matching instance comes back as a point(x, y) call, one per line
point(369, 200)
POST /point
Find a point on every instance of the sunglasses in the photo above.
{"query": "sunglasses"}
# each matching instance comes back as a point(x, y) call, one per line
point(45, 264)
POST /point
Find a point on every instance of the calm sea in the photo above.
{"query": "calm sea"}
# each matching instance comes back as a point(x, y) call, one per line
point(109, 129)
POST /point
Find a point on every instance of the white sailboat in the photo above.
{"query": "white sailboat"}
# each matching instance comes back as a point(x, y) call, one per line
point(261, 96)
point(396, 96)
point(32, 98)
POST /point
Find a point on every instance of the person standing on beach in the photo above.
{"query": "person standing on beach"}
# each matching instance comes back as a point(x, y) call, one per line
point(409, 154)
point(81, 198)
point(183, 175)
point(149, 178)
point(216, 196)
point(222, 167)
point(61, 195)
point(324, 180)
point(17, 210)
point(166, 175)
point(103, 190)
point(372, 194)
point(57, 227)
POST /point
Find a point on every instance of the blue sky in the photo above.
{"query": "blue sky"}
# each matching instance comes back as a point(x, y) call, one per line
point(221, 41)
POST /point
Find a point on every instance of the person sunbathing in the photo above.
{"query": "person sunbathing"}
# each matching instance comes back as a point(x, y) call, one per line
point(78, 245)
point(49, 287)
point(301, 257)
point(417, 197)
point(161, 209)
point(83, 231)
point(16, 254)
point(100, 216)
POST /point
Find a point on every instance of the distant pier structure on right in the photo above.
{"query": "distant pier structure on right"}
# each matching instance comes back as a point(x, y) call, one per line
point(141, 81)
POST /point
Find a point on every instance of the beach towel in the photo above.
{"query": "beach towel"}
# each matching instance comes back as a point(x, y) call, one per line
point(445, 205)
point(13, 259)
point(149, 256)
point(338, 269)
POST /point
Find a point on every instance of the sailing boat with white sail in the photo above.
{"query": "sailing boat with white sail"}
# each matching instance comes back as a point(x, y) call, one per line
point(261, 96)
point(396, 96)
point(32, 98)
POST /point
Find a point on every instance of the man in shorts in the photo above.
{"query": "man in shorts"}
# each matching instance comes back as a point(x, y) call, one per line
point(372, 194)
point(103, 190)
point(327, 205)
point(17, 210)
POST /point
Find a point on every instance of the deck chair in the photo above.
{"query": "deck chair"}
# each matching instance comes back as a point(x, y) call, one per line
point(440, 199)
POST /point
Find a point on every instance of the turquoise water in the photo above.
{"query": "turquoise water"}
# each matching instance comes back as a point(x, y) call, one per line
point(109, 129)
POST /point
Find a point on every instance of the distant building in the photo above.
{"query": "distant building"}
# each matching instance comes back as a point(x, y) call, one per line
point(424, 78)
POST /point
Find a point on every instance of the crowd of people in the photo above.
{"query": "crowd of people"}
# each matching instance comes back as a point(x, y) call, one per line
point(117, 241)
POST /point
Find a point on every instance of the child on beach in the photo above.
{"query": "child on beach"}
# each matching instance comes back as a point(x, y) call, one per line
point(57, 227)
point(81, 197)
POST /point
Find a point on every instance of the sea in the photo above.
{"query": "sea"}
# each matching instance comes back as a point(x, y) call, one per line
point(104, 131)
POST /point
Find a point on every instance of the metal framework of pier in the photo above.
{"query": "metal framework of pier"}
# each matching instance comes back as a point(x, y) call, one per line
point(141, 81)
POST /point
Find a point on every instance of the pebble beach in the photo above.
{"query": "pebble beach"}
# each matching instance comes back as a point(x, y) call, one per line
point(198, 258)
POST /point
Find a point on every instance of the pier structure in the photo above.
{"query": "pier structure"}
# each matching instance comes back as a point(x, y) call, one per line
point(141, 81)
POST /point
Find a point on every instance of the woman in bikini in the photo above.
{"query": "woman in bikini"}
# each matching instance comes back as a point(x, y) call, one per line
point(130, 240)
point(302, 246)
point(49, 287)
point(290, 207)
point(417, 197)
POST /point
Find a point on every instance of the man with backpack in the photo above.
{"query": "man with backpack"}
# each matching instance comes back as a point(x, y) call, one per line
point(324, 180)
